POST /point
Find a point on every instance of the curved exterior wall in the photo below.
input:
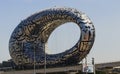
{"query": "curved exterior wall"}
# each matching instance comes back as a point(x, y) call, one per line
point(32, 33)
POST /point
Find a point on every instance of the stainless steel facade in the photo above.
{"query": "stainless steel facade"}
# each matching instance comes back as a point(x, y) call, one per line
point(32, 33)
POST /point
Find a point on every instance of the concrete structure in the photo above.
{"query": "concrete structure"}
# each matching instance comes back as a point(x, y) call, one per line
point(66, 70)
point(109, 67)
point(108, 64)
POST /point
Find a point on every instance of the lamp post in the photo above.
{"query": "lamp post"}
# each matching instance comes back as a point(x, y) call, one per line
point(86, 65)
point(34, 58)
point(44, 58)
point(93, 63)
point(43, 40)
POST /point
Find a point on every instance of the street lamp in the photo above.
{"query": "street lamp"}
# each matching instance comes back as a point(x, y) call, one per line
point(34, 57)
point(93, 63)
point(44, 58)
point(86, 66)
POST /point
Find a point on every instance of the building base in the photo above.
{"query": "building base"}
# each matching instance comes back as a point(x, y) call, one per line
point(58, 70)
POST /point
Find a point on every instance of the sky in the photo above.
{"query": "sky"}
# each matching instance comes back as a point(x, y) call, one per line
point(105, 14)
